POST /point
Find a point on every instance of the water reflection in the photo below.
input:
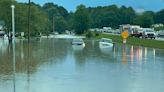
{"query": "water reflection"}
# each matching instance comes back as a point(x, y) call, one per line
point(78, 47)
point(55, 65)
point(145, 55)
point(154, 51)
point(141, 54)
point(107, 50)
point(132, 54)
point(3, 45)
point(124, 54)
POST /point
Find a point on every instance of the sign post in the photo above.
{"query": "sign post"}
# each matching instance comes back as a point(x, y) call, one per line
point(125, 35)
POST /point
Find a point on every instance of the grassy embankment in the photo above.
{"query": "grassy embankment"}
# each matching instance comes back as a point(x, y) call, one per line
point(135, 41)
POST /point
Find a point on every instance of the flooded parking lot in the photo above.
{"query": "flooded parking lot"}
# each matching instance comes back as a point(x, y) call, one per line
point(50, 65)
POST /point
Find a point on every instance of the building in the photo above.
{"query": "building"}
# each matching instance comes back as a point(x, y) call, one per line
point(124, 27)
point(130, 28)
point(157, 25)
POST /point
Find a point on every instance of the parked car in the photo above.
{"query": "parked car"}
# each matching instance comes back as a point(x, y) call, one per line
point(161, 33)
point(137, 33)
point(149, 33)
point(2, 33)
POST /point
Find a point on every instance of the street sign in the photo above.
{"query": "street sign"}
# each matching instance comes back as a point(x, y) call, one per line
point(125, 34)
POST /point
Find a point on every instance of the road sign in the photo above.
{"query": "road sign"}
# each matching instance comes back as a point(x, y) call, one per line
point(125, 34)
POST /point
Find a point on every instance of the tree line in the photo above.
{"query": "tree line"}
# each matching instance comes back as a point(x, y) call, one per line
point(50, 17)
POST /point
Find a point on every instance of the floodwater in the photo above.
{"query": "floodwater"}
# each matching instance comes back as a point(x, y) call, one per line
point(54, 65)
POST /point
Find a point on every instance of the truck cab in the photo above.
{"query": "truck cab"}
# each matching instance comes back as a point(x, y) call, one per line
point(149, 33)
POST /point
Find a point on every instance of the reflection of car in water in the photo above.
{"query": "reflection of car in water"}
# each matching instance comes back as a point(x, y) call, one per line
point(107, 50)
point(78, 41)
point(105, 43)
point(78, 47)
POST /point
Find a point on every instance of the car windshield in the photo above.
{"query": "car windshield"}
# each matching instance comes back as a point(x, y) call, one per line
point(77, 40)
point(106, 40)
point(149, 31)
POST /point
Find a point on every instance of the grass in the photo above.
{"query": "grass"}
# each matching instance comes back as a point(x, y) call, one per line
point(135, 41)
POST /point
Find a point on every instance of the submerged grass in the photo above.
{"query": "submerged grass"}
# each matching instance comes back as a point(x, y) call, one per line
point(135, 41)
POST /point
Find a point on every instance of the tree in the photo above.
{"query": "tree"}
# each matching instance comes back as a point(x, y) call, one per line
point(39, 21)
point(159, 17)
point(21, 17)
point(5, 15)
point(145, 20)
point(104, 16)
point(60, 25)
point(126, 15)
point(81, 20)
point(55, 13)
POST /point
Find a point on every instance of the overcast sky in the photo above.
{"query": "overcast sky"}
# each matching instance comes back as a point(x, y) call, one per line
point(139, 5)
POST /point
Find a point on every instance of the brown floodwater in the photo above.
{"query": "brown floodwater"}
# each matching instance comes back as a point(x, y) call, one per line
point(54, 65)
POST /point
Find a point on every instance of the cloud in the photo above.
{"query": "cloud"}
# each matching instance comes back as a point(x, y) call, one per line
point(140, 10)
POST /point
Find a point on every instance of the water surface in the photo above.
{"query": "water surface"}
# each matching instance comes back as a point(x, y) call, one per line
point(54, 65)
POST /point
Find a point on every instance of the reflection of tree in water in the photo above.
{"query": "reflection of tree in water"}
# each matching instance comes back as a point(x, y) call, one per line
point(160, 53)
point(30, 57)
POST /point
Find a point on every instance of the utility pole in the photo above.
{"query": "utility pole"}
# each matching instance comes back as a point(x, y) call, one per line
point(29, 18)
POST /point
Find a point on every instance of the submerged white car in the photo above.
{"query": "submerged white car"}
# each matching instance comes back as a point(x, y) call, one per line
point(105, 42)
point(78, 42)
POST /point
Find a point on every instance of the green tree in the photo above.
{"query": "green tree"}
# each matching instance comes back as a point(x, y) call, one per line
point(145, 20)
point(5, 14)
point(39, 21)
point(60, 25)
point(159, 16)
point(81, 20)
point(126, 15)
point(104, 16)
point(21, 17)
point(55, 13)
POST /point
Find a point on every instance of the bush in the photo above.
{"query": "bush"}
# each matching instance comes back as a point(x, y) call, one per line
point(97, 34)
point(89, 34)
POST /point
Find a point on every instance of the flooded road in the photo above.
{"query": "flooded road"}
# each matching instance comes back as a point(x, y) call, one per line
point(54, 65)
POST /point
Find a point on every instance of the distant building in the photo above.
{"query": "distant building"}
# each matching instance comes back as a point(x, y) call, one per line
point(107, 28)
point(96, 30)
point(124, 27)
point(130, 28)
point(157, 25)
